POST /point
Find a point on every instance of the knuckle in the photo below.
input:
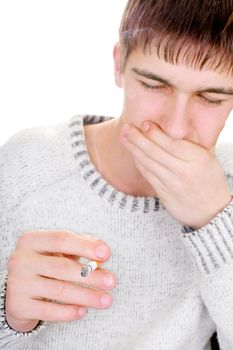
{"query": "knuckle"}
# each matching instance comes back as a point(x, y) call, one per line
point(21, 262)
point(185, 173)
point(13, 262)
point(60, 239)
point(24, 239)
point(12, 285)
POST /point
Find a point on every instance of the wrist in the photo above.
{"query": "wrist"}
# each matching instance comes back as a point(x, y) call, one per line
point(209, 217)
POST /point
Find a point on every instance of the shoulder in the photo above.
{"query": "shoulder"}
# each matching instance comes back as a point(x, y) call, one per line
point(34, 158)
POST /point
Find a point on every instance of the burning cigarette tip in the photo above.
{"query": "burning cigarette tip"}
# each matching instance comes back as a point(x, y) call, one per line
point(88, 268)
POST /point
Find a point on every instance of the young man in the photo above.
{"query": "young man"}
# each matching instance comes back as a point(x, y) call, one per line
point(146, 195)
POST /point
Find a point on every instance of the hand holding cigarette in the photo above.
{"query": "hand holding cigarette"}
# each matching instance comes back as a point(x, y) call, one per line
point(48, 261)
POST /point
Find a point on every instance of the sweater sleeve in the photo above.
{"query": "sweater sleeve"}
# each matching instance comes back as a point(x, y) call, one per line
point(212, 249)
point(20, 158)
point(7, 334)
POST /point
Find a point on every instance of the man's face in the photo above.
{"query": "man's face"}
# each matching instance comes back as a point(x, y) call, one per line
point(185, 103)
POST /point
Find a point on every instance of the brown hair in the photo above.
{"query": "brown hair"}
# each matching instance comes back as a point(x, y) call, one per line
point(195, 32)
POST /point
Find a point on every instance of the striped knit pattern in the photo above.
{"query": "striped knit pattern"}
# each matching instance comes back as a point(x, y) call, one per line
point(174, 284)
point(212, 245)
point(94, 178)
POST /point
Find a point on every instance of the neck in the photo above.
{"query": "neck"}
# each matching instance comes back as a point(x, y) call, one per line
point(112, 159)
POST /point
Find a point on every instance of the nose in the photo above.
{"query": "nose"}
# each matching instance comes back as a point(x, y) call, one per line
point(175, 120)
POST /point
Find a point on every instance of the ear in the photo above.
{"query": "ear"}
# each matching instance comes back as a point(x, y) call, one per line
point(117, 65)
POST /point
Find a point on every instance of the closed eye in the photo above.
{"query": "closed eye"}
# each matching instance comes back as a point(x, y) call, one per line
point(206, 100)
point(211, 102)
point(151, 87)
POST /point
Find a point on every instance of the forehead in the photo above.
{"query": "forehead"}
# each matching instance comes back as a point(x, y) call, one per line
point(178, 73)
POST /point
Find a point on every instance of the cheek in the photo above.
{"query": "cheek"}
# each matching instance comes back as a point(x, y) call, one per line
point(208, 128)
point(140, 106)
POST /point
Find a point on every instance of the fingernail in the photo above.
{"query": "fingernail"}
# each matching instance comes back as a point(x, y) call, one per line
point(146, 126)
point(101, 251)
point(108, 281)
point(105, 300)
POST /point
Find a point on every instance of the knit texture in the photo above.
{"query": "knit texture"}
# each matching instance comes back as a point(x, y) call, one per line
point(174, 287)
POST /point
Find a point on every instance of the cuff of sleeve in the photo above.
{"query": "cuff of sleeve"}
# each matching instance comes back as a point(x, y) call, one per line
point(6, 331)
point(212, 245)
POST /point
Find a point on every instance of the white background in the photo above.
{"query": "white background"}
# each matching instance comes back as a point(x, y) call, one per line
point(56, 61)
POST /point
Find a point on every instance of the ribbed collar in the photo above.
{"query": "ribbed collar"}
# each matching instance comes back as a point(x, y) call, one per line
point(94, 179)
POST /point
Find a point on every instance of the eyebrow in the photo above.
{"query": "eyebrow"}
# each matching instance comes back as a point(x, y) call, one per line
point(152, 76)
point(149, 75)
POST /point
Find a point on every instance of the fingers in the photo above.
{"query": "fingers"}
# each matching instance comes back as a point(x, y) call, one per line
point(142, 146)
point(48, 311)
point(153, 167)
point(52, 312)
point(155, 180)
point(66, 242)
point(70, 293)
point(45, 266)
point(152, 163)
point(62, 268)
point(180, 149)
point(155, 133)
point(171, 146)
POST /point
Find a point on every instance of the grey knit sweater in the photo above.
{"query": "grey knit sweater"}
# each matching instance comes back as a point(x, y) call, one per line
point(175, 287)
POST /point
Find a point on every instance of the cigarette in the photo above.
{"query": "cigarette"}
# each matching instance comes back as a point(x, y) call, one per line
point(89, 267)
